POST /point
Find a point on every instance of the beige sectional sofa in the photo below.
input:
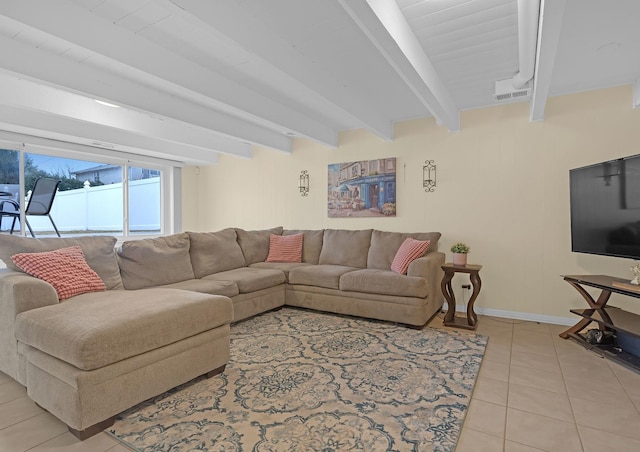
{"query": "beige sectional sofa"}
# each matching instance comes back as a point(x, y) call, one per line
point(164, 318)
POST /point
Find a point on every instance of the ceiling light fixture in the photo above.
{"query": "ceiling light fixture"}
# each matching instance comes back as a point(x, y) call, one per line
point(107, 104)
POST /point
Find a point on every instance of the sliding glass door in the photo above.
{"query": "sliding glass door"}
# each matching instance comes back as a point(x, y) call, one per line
point(94, 197)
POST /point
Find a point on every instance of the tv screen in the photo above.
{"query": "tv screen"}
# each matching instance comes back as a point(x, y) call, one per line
point(605, 208)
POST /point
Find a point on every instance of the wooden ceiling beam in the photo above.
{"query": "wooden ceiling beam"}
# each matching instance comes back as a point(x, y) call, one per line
point(47, 125)
point(134, 55)
point(228, 18)
point(30, 95)
point(549, 29)
point(386, 27)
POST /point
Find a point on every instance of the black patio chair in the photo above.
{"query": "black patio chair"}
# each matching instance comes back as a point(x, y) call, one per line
point(39, 204)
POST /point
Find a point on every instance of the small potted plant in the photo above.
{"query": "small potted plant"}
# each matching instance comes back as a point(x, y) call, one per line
point(460, 251)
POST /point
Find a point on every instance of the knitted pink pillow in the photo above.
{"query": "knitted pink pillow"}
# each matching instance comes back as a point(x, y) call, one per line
point(285, 248)
point(410, 250)
point(65, 269)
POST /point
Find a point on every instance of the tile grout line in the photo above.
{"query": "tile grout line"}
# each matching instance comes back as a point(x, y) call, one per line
point(624, 387)
point(506, 409)
point(45, 441)
point(564, 382)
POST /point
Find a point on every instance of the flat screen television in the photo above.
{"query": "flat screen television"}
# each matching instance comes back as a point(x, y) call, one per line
point(605, 208)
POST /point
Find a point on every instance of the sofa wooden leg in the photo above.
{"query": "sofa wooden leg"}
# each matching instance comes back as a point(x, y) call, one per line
point(93, 430)
point(214, 372)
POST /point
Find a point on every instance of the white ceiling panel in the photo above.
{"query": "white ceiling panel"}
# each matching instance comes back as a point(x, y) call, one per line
point(599, 45)
point(258, 72)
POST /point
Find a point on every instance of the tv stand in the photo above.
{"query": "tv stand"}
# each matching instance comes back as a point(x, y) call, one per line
point(607, 318)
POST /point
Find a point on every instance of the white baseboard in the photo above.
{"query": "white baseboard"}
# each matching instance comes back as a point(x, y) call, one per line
point(530, 317)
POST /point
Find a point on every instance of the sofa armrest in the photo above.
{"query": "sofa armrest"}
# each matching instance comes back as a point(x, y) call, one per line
point(430, 268)
point(20, 292)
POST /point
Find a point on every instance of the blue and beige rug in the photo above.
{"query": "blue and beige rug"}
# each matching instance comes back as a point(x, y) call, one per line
point(307, 381)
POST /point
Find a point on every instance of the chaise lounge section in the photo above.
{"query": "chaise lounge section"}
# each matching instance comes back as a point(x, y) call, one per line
point(96, 355)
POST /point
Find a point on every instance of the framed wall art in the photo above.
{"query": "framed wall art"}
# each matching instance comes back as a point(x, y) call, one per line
point(365, 188)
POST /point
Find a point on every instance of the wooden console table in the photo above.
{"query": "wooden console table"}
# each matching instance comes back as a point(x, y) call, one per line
point(607, 318)
point(450, 318)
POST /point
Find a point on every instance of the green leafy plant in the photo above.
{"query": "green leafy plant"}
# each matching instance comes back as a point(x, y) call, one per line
point(460, 248)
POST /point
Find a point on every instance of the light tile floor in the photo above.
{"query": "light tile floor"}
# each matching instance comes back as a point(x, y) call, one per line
point(538, 392)
point(535, 392)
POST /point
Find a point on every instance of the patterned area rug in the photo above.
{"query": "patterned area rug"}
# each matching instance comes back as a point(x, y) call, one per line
point(306, 381)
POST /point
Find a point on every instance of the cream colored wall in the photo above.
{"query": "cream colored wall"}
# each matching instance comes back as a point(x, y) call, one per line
point(502, 188)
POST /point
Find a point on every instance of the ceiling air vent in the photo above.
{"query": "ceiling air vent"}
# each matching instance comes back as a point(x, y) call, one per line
point(505, 90)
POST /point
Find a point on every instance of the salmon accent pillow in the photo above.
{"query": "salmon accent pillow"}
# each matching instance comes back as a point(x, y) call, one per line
point(410, 250)
point(285, 248)
point(65, 269)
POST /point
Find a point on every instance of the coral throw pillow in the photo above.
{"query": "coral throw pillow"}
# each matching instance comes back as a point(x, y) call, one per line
point(285, 248)
point(65, 269)
point(410, 250)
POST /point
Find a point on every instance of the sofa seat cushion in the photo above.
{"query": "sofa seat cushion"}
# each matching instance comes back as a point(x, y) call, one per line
point(384, 282)
point(250, 279)
point(226, 288)
point(319, 275)
point(284, 267)
point(94, 330)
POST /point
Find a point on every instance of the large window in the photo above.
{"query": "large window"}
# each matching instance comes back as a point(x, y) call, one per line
point(94, 196)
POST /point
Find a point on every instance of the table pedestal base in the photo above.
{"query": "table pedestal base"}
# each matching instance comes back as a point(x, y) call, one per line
point(450, 319)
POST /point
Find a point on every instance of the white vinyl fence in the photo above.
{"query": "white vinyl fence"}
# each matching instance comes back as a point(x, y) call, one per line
point(100, 208)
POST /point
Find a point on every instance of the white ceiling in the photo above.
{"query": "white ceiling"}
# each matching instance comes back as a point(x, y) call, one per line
point(195, 78)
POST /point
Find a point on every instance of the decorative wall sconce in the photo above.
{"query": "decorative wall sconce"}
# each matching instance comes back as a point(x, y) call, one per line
point(429, 176)
point(304, 183)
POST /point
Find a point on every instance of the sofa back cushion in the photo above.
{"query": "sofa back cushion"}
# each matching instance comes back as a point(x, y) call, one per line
point(255, 244)
point(385, 245)
point(343, 247)
point(99, 251)
point(155, 262)
point(311, 244)
point(213, 252)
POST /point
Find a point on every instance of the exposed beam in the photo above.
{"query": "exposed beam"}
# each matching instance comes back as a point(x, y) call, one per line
point(549, 29)
point(30, 95)
point(42, 65)
point(41, 144)
point(14, 119)
point(385, 25)
point(229, 18)
point(163, 68)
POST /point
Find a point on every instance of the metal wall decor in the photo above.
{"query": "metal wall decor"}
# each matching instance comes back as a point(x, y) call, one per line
point(429, 175)
point(304, 183)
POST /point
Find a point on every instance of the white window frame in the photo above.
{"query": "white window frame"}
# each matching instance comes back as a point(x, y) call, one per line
point(170, 176)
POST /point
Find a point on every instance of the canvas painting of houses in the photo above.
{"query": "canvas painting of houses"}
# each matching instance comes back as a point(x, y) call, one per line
point(362, 189)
